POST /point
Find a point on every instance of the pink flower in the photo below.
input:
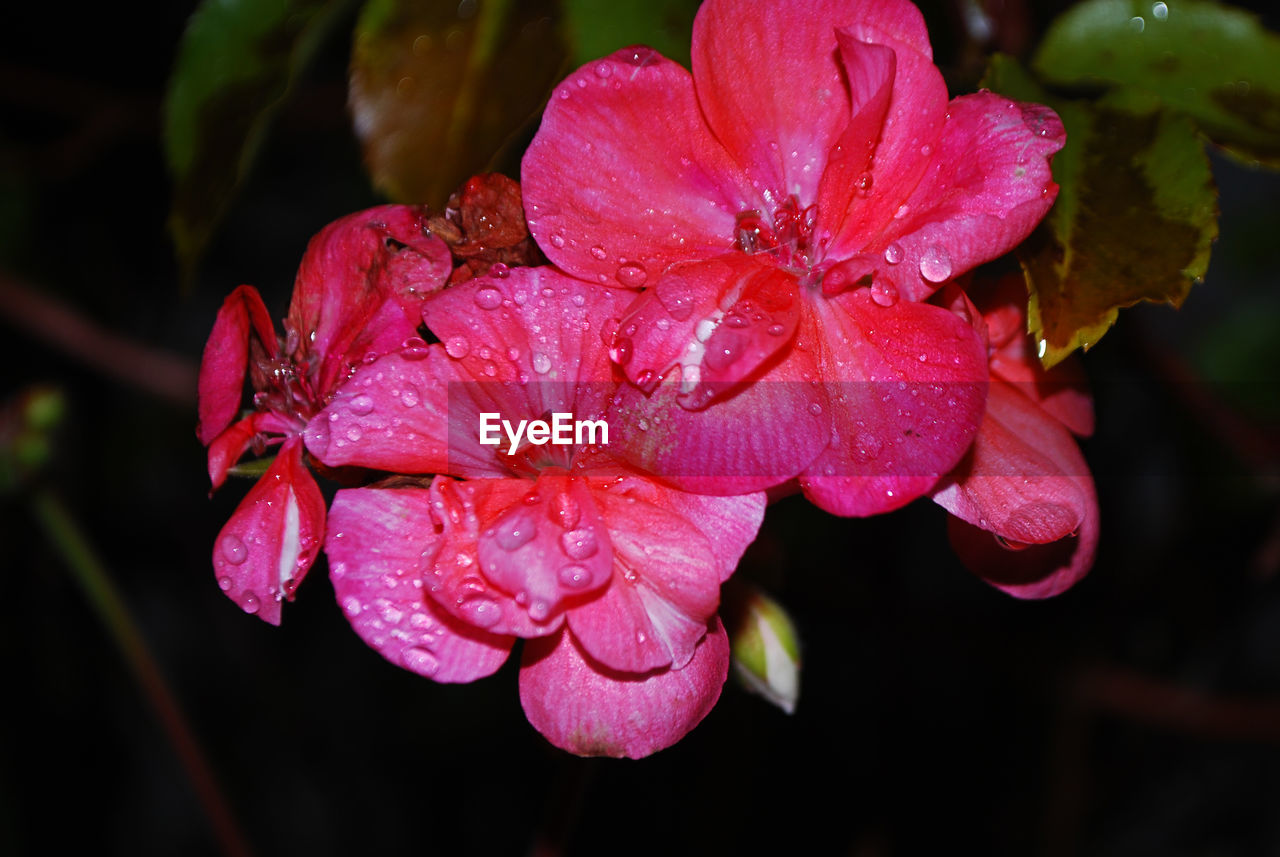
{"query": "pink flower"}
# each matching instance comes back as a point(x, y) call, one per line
point(787, 208)
point(611, 577)
point(357, 294)
point(1024, 512)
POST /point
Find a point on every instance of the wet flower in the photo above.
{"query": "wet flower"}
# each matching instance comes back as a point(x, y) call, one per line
point(1024, 514)
point(611, 577)
point(787, 209)
point(357, 295)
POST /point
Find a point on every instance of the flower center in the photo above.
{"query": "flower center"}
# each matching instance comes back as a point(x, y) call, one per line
point(788, 239)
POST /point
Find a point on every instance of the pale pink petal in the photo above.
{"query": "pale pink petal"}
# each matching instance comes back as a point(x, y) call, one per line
point(907, 385)
point(350, 269)
point(729, 523)
point(666, 582)
point(714, 323)
point(392, 414)
point(380, 543)
point(624, 177)
point(1062, 391)
point(551, 550)
point(987, 187)
point(271, 540)
point(226, 357)
point(590, 710)
point(764, 434)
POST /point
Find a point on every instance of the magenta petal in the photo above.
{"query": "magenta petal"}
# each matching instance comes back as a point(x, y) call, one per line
point(378, 546)
point(550, 549)
point(392, 414)
point(1025, 482)
point(666, 583)
point(268, 545)
point(590, 710)
point(226, 449)
point(717, 321)
point(350, 270)
point(907, 385)
point(624, 177)
point(226, 357)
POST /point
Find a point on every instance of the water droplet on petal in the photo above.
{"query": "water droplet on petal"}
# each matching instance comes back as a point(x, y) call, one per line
point(579, 544)
point(499, 270)
point(234, 550)
point(488, 298)
point(603, 69)
point(351, 605)
point(621, 351)
point(893, 254)
point(724, 352)
point(557, 241)
point(361, 405)
point(935, 264)
point(565, 511)
point(541, 363)
point(776, 329)
point(863, 184)
point(251, 604)
point(815, 408)
point(598, 252)
point(884, 293)
point(632, 275)
point(736, 320)
point(574, 577)
point(513, 535)
point(481, 612)
point(224, 583)
point(457, 347)
point(420, 661)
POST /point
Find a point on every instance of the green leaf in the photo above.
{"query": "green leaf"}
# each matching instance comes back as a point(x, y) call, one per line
point(1215, 63)
point(236, 64)
point(596, 29)
point(1134, 220)
point(439, 91)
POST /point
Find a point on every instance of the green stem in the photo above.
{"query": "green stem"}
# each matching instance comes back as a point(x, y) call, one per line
point(103, 597)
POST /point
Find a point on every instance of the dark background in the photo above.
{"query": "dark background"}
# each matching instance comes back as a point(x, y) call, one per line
point(1138, 714)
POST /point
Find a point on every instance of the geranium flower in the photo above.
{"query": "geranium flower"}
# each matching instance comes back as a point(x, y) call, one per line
point(611, 577)
point(357, 295)
point(1024, 514)
point(787, 208)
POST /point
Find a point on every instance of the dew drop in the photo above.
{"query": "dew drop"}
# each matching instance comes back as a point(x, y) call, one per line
point(488, 298)
point(457, 347)
point(224, 583)
point(557, 241)
point(632, 275)
point(361, 405)
point(499, 270)
point(354, 433)
point(815, 408)
point(251, 604)
point(884, 293)
point(776, 329)
point(574, 577)
point(621, 350)
point(935, 264)
point(603, 69)
point(513, 535)
point(234, 550)
point(724, 352)
point(579, 544)
point(893, 254)
point(565, 511)
point(421, 661)
point(481, 612)
point(541, 363)
point(351, 605)
point(736, 320)
point(598, 252)
point(864, 184)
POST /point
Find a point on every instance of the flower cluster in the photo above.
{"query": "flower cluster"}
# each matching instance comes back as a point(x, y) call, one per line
point(752, 286)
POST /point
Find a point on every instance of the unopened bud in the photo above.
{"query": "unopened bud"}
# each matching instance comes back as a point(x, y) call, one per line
point(766, 651)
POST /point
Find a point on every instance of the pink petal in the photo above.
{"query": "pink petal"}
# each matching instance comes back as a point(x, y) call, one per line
point(379, 544)
point(392, 414)
point(714, 322)
point(907, 388)
point(590, 710)
point(350, 269)
point(226, 357)
point(666, 583)
point(268, 545)
point(1026, 482)
point(551, 550)
point(624, 177)
point(764, 434)
point(729, 523)
point(987, 187)
point(226, 449)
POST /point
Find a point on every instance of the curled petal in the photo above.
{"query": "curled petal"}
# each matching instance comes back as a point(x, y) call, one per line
point(271, 540)
point(1026, 483)
point(585, 708)
point(226, 449)
point(379, 544)
point(907, 393)
point(226, 357)
point(624, 176)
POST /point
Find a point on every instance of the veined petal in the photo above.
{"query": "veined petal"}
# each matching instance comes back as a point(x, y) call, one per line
point(1024, 481)
point(729, 523)
point(624, 177)
point(907, 385)
point(271, 540)
point(350, 269)
point(392, 414)
point(666, 583)
point(226, 357)
point(586, 708)
point(379, 545)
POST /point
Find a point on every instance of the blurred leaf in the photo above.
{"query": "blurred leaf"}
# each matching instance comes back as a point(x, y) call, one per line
point(596, 29)
point(1134, 220)
point(438, 90)
point(236, 64)
point(1215, 63)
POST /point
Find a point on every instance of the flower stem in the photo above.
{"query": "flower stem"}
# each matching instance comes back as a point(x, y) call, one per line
point(92, 577)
